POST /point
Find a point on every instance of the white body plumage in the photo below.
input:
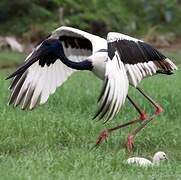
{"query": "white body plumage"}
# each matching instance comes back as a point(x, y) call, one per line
point(99, 65)
point(139, 161)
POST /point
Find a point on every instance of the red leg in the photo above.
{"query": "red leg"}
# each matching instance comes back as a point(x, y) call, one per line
point(142, 118)
point(131, 136)
point(130, 142)
point(105, 133)
point(159, 109)
point(102, 137)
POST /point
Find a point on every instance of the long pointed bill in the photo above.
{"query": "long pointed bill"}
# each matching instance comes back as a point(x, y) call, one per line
point(35, 56)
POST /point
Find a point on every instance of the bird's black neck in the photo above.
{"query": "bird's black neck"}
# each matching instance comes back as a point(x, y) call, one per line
point(83, 65)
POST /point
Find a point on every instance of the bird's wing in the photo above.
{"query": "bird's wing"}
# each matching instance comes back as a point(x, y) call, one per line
point(75, 39)
point(140, 58)
point(40, 79)
point(115, 87)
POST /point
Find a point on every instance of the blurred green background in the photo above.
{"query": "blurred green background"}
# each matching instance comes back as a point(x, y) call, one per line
point(34, 19)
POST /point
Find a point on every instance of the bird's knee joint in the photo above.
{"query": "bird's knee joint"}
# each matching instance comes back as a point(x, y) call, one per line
point(143, 116)
point(159, 110)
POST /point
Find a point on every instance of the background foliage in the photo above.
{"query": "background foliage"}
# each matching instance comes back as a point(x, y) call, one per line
point(36, 18)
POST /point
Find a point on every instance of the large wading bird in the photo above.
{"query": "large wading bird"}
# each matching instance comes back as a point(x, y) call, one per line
point(118, 61)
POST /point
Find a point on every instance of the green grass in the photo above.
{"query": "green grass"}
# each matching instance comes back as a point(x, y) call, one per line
point(10, 58)
point(54, 141)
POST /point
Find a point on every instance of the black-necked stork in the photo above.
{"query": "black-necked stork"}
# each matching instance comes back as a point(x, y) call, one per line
point(119, 61)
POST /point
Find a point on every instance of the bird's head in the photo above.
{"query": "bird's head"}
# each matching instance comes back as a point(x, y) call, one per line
point(159, 156)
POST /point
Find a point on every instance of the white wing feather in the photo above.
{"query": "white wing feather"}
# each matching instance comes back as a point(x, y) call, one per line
point(141, 70)
point(115, 87)
point(40, 82)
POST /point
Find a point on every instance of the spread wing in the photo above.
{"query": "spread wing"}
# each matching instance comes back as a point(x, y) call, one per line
point(140, 58)
point(34, 82)
point(115, 87)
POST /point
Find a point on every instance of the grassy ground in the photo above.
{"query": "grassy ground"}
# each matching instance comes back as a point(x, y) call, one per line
point(54, 141)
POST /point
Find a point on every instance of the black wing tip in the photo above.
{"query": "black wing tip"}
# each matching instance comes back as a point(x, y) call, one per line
point(95, 116)
point(9, 77)
point(165, 72)
point(103, 89)
point(9, 104)
point(19, 71)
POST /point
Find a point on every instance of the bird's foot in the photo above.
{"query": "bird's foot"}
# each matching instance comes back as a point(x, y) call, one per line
point(102, 137)
point(130, 143)
point(159, 110)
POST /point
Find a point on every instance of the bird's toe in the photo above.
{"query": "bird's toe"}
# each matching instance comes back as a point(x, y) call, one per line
point(130, 142)
point(102, 137)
